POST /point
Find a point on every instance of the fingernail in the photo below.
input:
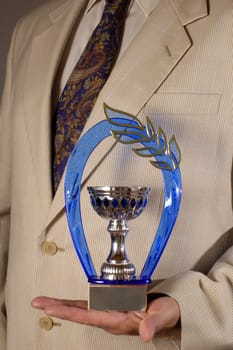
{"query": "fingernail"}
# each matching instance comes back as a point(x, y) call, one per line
point(34, 303)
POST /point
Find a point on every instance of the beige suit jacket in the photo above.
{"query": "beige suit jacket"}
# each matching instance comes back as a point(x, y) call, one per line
point(178, 71)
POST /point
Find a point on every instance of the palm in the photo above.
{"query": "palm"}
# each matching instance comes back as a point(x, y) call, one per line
point(161, 317)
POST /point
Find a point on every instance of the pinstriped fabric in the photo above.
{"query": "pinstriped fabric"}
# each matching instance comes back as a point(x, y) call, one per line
point(200, 235)
point(86, 81)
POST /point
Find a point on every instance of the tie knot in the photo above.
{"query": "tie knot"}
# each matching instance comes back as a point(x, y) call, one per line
point(116, 7)
point(117, 2)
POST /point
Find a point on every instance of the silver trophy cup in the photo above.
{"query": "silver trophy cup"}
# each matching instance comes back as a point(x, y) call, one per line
point(118, 204)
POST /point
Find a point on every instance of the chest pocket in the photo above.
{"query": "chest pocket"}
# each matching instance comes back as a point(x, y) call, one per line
point(188, 104)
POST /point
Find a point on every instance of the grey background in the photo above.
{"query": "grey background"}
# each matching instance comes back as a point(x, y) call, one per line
point(10, 12)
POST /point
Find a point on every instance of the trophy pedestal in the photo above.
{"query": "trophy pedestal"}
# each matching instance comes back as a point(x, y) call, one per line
point(117, 297)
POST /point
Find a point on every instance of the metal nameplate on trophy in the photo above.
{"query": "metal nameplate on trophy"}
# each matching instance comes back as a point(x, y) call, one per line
point(118, 286)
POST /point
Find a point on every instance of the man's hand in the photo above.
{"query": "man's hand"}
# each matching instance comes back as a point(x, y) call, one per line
point(162, 317)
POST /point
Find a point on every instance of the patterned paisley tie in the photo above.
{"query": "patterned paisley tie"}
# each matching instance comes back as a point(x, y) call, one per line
point(85, 82)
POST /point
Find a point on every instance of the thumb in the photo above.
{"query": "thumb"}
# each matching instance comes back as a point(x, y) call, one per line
point(150, 325)
point(162, 316)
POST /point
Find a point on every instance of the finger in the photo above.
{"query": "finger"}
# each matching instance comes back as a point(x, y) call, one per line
point(112, 321)
point(73, 313)
point(43, 302)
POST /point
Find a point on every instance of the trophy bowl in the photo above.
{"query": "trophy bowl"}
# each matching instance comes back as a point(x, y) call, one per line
point(118, 204)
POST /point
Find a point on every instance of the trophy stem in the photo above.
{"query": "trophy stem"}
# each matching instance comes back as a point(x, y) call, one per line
point(118, 266)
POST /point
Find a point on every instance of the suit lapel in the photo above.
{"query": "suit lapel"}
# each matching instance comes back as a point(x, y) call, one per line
point(50, 36)
point(145, 65)
point(189, 11)
point(135, 78)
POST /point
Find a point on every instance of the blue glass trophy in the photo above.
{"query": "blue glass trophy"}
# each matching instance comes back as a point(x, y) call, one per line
point(118, 286)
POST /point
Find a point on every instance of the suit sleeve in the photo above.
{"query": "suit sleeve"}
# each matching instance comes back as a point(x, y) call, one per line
point(5, 188)
point(206, 306)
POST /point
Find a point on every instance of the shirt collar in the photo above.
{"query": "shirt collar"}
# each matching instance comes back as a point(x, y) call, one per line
point(91, 3)
point(187, 10)
point(146, 5)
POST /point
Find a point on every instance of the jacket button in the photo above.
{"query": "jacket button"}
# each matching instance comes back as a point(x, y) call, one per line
point(49, 248)
point(46, 323)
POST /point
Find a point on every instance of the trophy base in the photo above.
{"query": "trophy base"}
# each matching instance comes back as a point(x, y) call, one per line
point(117, 297)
